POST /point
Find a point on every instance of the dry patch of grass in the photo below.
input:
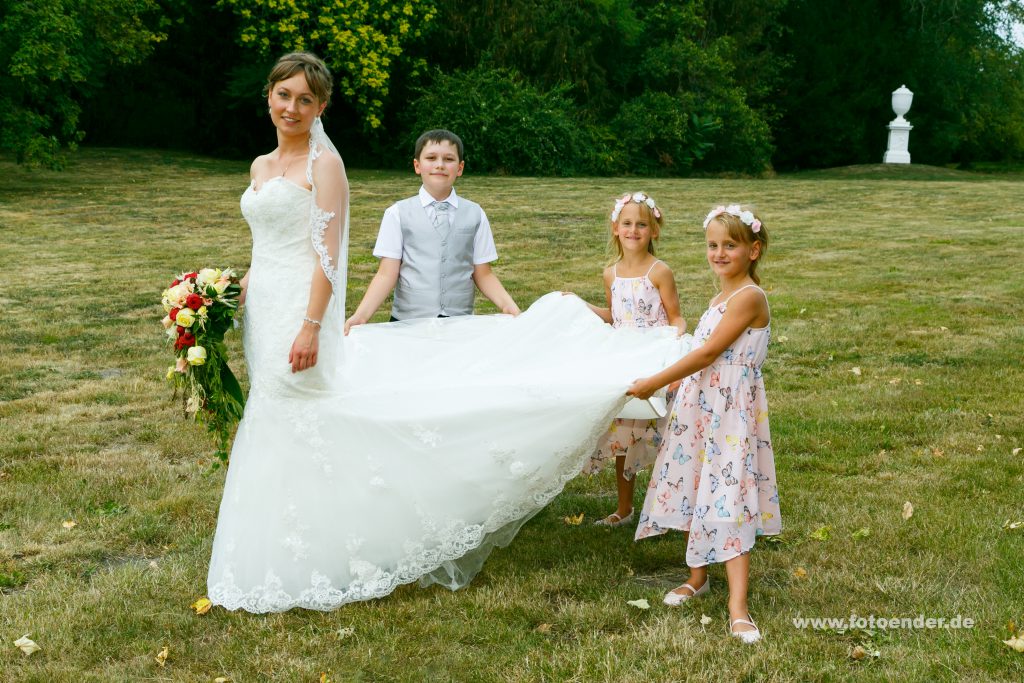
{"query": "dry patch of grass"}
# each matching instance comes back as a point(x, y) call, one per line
point(894, 376)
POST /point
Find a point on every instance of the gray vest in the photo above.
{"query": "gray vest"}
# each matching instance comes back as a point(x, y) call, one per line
point(436, 276)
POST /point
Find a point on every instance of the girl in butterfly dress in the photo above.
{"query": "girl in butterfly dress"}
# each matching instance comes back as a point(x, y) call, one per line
point(640, 292)
point(715, 472)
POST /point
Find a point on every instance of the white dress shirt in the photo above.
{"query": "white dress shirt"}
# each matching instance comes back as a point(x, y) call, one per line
point(389, 239)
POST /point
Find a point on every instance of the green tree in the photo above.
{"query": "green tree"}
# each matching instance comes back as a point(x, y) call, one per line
point(53, 55)
point(362, 41)
point(845, 58)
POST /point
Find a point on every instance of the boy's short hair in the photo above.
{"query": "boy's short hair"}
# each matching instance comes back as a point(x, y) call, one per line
point(439, 135)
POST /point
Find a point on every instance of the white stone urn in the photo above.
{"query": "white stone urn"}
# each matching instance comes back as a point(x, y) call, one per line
point(901, 101)
point(899, 128)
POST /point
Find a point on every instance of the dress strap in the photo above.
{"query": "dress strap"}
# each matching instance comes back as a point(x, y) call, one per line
point(656, 262)
point(740, 290)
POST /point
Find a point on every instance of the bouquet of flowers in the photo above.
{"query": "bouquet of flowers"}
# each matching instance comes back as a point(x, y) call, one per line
point(200, 308)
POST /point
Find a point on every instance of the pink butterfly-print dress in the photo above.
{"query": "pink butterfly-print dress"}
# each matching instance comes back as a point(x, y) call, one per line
point(715, 471)
point(635, 303)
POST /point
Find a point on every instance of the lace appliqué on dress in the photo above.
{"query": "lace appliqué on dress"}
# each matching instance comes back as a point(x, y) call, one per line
point(318, 223)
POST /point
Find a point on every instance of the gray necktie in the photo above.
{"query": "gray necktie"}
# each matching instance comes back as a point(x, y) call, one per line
point(441, 215)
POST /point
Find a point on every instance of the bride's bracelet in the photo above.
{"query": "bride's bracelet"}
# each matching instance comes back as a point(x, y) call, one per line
point(311, 321)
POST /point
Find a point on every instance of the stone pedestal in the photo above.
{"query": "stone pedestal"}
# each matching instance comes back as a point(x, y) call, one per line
point(899, 139)
point(899, 128)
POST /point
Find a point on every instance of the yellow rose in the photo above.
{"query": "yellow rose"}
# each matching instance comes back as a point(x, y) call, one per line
point(221, 285)
point(170, 372)
point(185, 317)
point(196, 355)
point(201, 312)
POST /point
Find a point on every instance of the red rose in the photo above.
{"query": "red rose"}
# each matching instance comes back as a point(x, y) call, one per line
point(181, 330)
point(173, 314)
point(191, 276)
point(184, 341)
point(194, 301)
point(175, 283)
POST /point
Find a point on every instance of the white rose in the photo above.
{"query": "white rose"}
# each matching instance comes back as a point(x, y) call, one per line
point(201, 312)
point(221, 285)
point(196, 355)
point(167, 322)
point(178, 293)
point(747, 217)
point(185, 317)
point(207, 276)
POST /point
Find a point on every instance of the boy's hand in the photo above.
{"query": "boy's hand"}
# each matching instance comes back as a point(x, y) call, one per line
point(642, 388)
point(352, 322)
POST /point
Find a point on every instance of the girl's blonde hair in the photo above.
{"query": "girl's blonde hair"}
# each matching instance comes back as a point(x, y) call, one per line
point(318, 76)
point(651, 214)
point(744, 226)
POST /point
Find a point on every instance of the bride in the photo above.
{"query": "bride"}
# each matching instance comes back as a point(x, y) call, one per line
point(406, 451)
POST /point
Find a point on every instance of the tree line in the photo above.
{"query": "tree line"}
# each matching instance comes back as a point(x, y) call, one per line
point(536, 87)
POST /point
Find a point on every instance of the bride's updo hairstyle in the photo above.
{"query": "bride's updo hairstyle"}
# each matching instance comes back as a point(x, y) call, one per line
point(318, 76)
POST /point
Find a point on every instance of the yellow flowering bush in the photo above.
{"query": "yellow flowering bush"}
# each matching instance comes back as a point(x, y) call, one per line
point(360, 40)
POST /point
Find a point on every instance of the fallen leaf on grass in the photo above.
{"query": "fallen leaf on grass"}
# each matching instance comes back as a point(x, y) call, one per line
point(344, 633)
point(800, 573)
point(908, 511)
point(201, 606)
point(222, 679)
point(895, 380)
point(859, 652)
point(26, 645)
point(1016, 451)
point(69, 524)
point(639, 604)
point(161, 657)
point(543, 628)
point(324, 678)
point(153, 564)
point(860, 533)
point(705, 620)
point(1016, 643)
point(573, 520)
point(1010, 526)
point(782, 339)
point(802, 311)
point(821, 533)
point(855, 371)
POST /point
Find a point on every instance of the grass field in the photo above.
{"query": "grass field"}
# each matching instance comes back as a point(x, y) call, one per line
point(895, 375)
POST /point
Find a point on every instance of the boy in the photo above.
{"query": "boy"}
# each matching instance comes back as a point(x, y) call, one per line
point(434, 246)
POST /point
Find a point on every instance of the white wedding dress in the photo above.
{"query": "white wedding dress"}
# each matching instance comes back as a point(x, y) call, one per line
point(411, 449)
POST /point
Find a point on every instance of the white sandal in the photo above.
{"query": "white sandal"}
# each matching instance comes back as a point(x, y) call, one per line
point(614, 520)
point(748, 637)
point(674, 599)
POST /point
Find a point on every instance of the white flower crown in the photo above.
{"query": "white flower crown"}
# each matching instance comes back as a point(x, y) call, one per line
point(747, 217)
point(639, 198)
